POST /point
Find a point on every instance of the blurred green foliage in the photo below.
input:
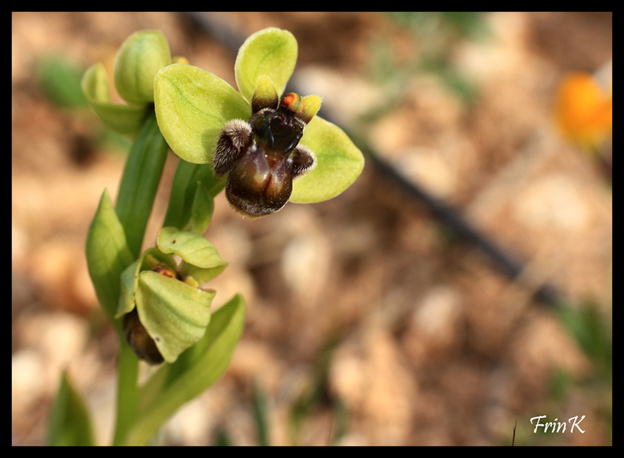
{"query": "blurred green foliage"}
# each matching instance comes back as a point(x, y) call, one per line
point(310, 401)
point(59, 79)
point(592, 332)
point(318, 396)
point(260, 404)
point(466, 24)
point(70, 424)
point(435, 36)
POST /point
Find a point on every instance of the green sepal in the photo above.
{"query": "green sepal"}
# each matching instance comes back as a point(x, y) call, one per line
point(195, 370)
point(192, 106)
point(70, 424)
point(107, 254)
point(140, 57)
point(191, 247)
point(123, 119)
point(174, 313)
point(271, 52)
point(339, 163)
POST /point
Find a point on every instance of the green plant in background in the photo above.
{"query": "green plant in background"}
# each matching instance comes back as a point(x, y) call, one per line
point(592, 333)
point(265, 149)
point(435, 36)
point(59, 79)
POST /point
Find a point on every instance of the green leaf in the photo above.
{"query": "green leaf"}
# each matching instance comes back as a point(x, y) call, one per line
point(107, 254)
point(191, 247)
point(192, 106)
point(271, 52)
point(140, 57)
point(70, 423)
point(139, 183)
point(339, 163)
point(203, 207)
point(174, 313)
point(195, 370)
point(123, 119)
point(182, 193)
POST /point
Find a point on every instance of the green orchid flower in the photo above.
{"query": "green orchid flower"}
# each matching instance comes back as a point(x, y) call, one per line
point(164, 311)
point(273, 148)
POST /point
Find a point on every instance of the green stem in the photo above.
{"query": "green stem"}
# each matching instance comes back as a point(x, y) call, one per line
point(183, 189)
point(139, 182)
point(127, 393)
point(204, 366)
point(137, 191)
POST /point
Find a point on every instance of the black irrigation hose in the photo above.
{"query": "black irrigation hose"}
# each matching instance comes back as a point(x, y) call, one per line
point(546, 293)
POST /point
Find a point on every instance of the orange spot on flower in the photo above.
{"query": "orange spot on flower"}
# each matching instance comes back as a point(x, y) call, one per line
point(293, 101)
point(288, 100)
point(164, 270)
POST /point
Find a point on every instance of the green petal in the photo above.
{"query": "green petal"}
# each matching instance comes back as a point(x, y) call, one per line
point(271, 52)
point(130, 277)
point(265, 95)
point(140, 57)
point(123, 119)
point(192, 106)
point(174, 314)
point(339, 163)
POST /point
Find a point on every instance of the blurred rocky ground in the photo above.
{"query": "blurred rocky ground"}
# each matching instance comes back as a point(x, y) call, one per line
point(369, 323)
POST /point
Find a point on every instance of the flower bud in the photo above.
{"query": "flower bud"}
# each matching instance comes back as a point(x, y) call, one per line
point(140, 57)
